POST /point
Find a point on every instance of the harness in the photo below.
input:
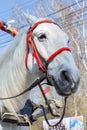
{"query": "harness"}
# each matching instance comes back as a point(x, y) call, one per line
point(42, 64)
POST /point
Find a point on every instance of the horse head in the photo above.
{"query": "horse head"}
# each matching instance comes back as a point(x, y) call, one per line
point(50, 51)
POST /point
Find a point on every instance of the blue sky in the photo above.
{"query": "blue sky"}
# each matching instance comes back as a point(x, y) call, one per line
point(6, 7)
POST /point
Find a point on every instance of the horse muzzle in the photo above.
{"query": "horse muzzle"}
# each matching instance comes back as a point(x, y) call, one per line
point(65, 85)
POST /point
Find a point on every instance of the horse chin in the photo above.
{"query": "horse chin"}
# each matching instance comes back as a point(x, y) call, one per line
point(63, 88)
point(65, 93)
point(66, 89)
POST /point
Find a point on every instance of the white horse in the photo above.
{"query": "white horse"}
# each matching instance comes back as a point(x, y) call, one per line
point(19, 67)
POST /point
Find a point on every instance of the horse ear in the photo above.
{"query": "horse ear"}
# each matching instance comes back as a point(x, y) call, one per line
point(30, 19)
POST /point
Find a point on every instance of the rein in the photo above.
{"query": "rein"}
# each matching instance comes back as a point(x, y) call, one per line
point(34, 84)
point(41, 106)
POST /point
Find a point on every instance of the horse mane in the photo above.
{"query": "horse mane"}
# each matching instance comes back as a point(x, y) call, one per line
point(12, 45)
point(13, 80)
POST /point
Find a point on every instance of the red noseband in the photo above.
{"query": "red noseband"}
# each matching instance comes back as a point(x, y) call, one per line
point(30, 44)
point(58, 52)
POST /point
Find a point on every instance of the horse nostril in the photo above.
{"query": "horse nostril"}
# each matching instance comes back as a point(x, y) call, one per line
point(65, 76)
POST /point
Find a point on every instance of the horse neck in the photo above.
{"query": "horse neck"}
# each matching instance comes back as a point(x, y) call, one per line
point(13, 67)
point(14, 77)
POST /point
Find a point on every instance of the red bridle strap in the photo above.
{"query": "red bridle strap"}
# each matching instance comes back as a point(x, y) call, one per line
point(35, 54)
point(30, 44)
point(40, 22)
point(58, 52)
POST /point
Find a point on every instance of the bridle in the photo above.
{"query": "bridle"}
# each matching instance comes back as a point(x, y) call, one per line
point(35, 54)
point(30, 44)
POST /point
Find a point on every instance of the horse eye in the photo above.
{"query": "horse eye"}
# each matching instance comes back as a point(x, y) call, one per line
point(42, 36)
point(69, 42)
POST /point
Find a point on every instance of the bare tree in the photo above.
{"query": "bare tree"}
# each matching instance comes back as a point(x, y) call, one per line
point(18, 16)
